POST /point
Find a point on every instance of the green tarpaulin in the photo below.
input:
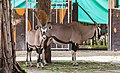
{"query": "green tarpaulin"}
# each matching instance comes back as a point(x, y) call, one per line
point(119, 4)
point(97, 9)
point(22, 4)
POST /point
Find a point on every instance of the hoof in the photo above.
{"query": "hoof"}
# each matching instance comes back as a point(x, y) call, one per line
point(42, 65)
point(38, 66)
point(75, 64)
point(46, 64)
point(31, 64)
point(26, 64)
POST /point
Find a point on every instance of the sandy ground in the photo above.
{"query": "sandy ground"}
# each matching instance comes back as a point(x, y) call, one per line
point(80, 53)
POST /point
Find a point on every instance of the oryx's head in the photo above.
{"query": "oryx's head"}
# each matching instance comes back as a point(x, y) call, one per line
point(45, 30)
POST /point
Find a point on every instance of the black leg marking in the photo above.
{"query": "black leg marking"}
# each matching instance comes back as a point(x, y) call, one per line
point(27, 59)
point(30, 59)
point(27, 55)
point(74, 47)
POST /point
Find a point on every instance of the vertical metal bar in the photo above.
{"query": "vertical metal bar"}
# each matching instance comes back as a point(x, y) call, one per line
point(50, 12)
point(56, 13)
point(71, 10)
point(68, 46)
point(56, 46)
point(110, 28)
point(33, 19)
point(62, 13)
point(26, 19)
point(68, 12)
point(68, 16)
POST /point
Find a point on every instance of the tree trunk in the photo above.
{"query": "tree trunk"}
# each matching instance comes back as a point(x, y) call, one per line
point(6, 38)
point(45, 5)
point(7, 62)
point(0, 34)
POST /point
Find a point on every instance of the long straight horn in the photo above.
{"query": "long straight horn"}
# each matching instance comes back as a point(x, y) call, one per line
point(38, 20)
point(48, 19)
point(47, 22)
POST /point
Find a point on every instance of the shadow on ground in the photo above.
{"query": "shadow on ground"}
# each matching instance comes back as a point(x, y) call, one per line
point(66, 67)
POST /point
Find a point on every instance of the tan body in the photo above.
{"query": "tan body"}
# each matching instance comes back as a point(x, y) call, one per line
point(35, 42)
point(73, 32)
point(34, 38)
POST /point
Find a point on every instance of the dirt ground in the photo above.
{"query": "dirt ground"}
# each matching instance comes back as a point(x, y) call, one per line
point(66, 67)
point(79, 53)
point(83, 67)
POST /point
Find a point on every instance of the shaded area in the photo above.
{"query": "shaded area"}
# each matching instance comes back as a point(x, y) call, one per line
point(84, 67)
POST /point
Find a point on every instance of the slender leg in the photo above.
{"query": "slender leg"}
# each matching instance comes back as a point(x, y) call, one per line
point(76, 64)
point(27, 55)
point(43, 57)
point(38, 60)
point(30, 59)
point(27, 59)
point(74, 49)
point(73, 57)
point(93, 41)
point(73, 45)
point(41, 63)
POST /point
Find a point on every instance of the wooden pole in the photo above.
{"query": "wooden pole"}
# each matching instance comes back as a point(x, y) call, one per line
point(0, 33)
point(75, 12)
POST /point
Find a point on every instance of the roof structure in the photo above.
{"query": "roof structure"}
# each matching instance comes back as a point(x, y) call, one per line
point(97, 9)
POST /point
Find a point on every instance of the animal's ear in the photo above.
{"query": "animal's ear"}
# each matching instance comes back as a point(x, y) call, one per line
point(48, 22)
point(36, 27)
point(50, 27)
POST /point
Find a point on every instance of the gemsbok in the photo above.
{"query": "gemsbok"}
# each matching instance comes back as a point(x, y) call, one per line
point(74, 33)
point(35, 41)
